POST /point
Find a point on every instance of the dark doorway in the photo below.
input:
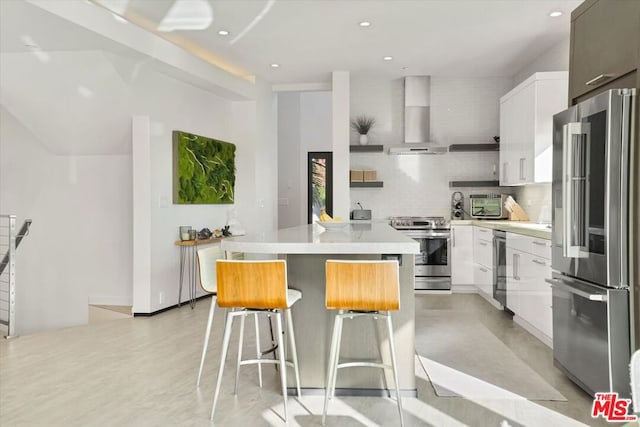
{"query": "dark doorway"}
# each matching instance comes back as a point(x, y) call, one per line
point(319, 184)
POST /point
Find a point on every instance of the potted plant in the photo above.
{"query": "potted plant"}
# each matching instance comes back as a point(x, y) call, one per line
point(363, 124)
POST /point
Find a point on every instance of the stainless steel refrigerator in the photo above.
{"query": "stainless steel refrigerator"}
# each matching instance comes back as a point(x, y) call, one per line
point(590, 243)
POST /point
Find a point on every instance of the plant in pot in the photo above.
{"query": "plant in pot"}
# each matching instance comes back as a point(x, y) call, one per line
point(362, 125)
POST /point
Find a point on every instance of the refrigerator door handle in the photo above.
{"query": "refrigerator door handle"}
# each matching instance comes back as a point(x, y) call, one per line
point(592, 297)
point(575, 191)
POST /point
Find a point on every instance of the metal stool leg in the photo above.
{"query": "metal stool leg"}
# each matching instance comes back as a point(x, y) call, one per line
point(294, 350)
point(334, 356)
point(206, 337)
point(283, 366)
point(223, 358)
point(258, 352)
point(240, 343)
point(394, 364)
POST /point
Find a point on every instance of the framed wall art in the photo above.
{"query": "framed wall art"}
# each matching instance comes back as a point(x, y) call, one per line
point(203, 170)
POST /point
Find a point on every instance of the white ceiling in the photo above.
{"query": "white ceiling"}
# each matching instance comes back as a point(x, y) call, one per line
point(311, 38)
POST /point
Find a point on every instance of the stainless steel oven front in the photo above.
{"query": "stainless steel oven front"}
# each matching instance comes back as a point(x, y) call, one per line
point(432, 265)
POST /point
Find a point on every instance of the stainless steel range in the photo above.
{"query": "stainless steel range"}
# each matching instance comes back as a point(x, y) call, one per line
point(432, 269)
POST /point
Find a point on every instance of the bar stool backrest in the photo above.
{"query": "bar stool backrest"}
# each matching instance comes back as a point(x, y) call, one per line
point(207, 258)
point(252, 284)
point(362, 285)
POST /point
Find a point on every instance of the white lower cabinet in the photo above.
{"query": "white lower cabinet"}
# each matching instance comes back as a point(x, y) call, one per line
point(483, 279)
point(528, 294)
point(483, 262)
point(462, 255)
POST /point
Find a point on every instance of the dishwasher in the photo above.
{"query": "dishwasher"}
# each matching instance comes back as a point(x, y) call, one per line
point(500, 267)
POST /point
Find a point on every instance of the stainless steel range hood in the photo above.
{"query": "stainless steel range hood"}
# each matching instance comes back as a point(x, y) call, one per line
point(417, 105)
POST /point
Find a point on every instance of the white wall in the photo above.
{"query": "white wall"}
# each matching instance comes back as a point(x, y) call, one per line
point(248, 124)
point(80, 249)
point(80, 240)
point(556, 58)
point(304, 125)
point(463, 110)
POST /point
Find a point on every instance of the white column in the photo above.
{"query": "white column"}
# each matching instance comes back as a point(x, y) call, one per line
point(141, 167)
point(340, 104)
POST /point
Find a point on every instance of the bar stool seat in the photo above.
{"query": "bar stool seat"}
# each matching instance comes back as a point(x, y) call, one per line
point(257, 287)
point(357, 289)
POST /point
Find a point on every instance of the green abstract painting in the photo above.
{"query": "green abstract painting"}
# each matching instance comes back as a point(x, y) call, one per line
point(203, 170)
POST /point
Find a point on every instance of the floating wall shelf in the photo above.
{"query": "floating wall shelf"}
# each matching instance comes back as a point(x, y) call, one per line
point(366, 184)
point(366, 148)
point(474, 183)
point(474, 147)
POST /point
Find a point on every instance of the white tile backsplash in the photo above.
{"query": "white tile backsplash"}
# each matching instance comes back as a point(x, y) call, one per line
point(463, 111)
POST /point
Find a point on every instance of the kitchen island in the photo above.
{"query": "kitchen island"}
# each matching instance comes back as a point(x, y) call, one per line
point(306, 248)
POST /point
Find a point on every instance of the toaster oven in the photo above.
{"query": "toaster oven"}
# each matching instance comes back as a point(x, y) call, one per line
point(488, 206)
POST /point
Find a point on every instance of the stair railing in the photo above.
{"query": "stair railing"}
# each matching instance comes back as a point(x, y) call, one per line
point(9, 241)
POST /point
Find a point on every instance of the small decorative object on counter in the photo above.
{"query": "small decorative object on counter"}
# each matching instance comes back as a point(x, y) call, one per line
point(225, 231)
point(185, 232)
point(363, 124)
point(516, 213)
point(193, 234)
point(204, 234)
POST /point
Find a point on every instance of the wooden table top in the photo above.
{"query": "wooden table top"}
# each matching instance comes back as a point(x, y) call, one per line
point(198, 242)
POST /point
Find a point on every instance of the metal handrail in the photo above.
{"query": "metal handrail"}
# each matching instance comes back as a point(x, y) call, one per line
point(24, 231)
point(11, 240)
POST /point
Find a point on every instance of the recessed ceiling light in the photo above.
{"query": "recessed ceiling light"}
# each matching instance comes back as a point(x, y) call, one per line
point(555, 14)
point(274, 65)
point(365, 24)
point(223, 32)
point(388, 58)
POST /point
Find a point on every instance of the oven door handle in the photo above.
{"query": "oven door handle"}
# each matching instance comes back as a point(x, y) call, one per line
point(592, 297)
point(426, 235)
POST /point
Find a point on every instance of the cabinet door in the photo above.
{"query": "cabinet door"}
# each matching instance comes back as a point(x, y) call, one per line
point(514, 284)
point(524, 134)
point(461, 254)
point(604, 44)
point(539, 313)
point(508, 125)
point(483, 279)
point(483, 246)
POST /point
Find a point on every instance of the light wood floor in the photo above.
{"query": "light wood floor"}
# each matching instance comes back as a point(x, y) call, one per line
point(141, 372)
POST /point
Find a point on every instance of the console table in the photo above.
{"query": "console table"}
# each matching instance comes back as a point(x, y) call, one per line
point(188, 262)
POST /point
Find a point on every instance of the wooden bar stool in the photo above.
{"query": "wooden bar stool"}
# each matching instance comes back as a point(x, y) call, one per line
point(257, 287)
point(356, 289)
point(207, 258)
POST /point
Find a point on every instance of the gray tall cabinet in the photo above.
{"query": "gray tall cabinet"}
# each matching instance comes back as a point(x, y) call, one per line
point(605, 54)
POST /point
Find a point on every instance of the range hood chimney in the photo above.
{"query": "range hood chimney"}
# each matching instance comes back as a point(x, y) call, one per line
point(417, 106)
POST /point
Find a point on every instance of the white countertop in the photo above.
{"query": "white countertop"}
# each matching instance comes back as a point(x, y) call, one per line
point(532, 229)
point(354, 238)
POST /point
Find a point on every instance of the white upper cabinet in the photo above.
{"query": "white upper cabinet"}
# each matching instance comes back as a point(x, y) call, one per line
point(526, 127)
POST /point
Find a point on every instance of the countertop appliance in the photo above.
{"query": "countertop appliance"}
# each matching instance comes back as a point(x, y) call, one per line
point(500, 267)
point(457, 205)
point(488, 206)
point(432, 265)
point(590, 253)
point(361, 214)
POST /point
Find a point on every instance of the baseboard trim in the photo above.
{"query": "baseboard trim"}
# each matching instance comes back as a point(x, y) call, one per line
point(162, 310)
point(533, 331)
point(464, 289)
